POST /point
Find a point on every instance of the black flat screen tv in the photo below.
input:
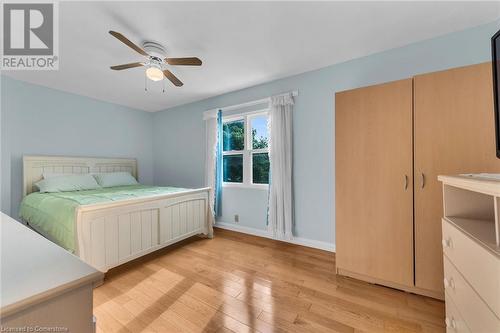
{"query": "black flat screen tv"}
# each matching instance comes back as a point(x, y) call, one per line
point(495, 53)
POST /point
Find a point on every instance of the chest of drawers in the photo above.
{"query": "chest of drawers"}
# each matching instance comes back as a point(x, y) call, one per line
point(470, 237)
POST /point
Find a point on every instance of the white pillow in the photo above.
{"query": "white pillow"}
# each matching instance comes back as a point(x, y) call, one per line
point(67, 183)
point(111, 179)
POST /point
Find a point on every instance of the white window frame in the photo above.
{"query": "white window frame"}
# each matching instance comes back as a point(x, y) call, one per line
point(247, 150)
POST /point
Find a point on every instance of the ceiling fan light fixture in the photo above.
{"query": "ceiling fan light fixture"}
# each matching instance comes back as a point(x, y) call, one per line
point(154, 73)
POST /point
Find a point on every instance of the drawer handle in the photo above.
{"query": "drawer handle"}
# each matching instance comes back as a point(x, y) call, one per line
point(449, 283)
point(446, 243)
point(451, 323)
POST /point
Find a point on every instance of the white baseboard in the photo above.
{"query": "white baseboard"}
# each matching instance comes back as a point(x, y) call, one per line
point(263, 233)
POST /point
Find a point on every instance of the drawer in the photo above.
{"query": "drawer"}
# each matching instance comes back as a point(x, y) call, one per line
point(477, 315)
point(454, 322)
point(479, 267)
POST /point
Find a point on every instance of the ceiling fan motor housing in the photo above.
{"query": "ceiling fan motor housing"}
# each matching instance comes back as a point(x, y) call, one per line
point(155, 50)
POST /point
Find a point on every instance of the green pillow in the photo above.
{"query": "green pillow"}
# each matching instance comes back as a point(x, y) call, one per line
point(111, 179)
point(67, 183)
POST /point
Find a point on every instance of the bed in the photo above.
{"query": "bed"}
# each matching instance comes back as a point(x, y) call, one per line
point(110, 226)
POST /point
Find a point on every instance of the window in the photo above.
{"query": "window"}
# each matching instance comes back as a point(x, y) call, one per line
point(245, 153)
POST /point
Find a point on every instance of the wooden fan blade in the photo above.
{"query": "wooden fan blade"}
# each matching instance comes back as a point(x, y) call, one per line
point(168, 74)
point(127, 42)
point(191, 61)
point(126, 66)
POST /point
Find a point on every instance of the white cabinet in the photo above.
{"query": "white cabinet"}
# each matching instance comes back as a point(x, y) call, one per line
point(471, 247)
point(43, 286)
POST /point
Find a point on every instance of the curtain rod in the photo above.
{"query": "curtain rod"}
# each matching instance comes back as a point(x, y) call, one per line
point(247, 104)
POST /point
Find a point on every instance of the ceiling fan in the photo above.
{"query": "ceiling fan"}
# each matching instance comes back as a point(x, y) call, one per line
point(156, 56)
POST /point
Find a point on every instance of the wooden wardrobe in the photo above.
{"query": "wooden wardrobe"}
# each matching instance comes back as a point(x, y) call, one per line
point(392, 140)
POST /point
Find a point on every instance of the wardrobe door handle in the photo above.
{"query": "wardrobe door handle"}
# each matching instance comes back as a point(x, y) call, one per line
point(406, 182)
point(422, 177)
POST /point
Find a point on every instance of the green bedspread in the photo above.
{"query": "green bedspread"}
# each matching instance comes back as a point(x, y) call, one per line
point(53, 214)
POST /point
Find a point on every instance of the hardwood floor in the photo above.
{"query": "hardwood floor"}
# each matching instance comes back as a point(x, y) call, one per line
point(242, 283)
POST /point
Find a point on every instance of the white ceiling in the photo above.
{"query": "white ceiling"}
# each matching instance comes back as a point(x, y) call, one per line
point(241, 43)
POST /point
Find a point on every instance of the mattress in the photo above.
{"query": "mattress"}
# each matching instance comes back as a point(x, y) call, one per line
point(53, 214)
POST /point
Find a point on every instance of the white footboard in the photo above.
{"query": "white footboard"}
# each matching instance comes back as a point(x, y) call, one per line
point(110, 235)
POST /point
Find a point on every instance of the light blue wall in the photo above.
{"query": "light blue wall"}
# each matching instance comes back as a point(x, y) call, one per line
point(38, 120)
point(179, 135)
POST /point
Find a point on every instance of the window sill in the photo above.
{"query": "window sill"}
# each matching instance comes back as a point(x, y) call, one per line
point(263, 187)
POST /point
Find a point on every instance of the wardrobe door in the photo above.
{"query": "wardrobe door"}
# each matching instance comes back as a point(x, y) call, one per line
point(374, 196)
point(454, 133)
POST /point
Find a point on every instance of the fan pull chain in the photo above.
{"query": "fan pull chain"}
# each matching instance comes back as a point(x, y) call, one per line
point(145, 82)
point(163, 82)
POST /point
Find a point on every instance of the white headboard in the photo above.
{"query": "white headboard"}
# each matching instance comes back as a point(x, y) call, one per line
point(35, 166)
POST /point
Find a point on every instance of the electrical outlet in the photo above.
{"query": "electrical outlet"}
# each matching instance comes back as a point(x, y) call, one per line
point(236, 218)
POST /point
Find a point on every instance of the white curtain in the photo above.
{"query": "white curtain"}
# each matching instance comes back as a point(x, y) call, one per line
point(211, 151)
point(280, 155)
